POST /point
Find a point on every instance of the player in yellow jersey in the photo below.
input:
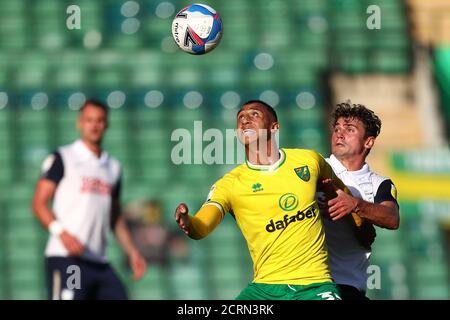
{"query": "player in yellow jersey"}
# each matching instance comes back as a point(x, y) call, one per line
point(272, 198)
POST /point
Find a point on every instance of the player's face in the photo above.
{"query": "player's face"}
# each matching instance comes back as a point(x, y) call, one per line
point(348, 138)
point(92, 124)
point(253, 123)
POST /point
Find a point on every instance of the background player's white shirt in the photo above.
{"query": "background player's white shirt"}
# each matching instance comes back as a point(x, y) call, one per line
point(348, 259)
point(83, 198)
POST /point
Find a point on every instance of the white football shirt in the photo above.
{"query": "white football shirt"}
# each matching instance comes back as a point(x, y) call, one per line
point(348, 259)
point(86, 185)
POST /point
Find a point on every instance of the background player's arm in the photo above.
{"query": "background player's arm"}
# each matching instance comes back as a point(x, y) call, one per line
point(137, 262)
point(52, 174)
point(201, 224)
point(45, 191)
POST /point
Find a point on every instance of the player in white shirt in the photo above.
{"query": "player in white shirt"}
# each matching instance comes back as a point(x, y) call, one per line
point(84, 182)
point(355, 129)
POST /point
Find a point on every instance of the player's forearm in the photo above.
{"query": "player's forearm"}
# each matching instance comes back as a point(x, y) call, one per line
point(379, 214)
point(357, 218)
point(204, 222)
point(43, 213)
point(123, 236)
point(198, 229)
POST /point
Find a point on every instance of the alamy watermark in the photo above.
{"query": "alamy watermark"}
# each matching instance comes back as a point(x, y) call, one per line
point(74, 279)
point(374, 277)
point(373, 22)
point(73, 21)
point(214, 146)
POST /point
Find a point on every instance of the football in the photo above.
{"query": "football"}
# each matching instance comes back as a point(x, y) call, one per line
point(197, 29)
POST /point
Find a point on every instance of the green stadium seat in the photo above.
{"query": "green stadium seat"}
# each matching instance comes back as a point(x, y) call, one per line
point(353, 62)
point(310, 5)
point(349, 22)
point(391, 40)
point(433, 291)
point(32, 72)
point(28, 294)
point(427, 270)
point(356, 40)
point(294, 78)
point(391, 61)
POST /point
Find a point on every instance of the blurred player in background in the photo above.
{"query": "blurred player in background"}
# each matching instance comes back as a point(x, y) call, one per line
point(355, 129)
point(84, 182)
point(159, 243)
point(272, 198)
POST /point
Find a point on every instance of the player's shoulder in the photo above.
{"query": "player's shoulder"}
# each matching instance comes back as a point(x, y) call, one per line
point(229, 177)
point(378, 179)
point(65, 148)
point(303, 154)
point(112, 159)
point(114, 162)
point(236, 172)
point(57, 154)
point(383, 185)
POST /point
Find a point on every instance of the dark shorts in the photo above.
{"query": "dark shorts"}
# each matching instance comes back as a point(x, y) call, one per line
point(70, 278)
point(351, 293)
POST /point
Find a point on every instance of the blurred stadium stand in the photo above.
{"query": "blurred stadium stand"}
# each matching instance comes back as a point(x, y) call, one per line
point(301, 56)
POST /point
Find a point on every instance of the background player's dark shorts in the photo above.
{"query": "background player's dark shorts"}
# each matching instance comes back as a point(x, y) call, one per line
point(97, 281)
point(351, 293)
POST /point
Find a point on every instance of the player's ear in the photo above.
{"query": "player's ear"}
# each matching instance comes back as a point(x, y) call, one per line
point(369, 142)
point(274, 126)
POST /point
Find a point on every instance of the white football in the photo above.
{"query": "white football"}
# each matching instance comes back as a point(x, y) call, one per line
point(197, 29)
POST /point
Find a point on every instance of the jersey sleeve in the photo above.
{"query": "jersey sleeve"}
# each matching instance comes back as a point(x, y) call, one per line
point(221, 193)
point(53, 168)
point(117, 188)
point(386, 192)
point(326, 172)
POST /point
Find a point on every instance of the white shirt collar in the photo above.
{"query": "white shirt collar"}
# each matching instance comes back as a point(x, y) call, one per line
point(339, 168)
point(85, 153)
point(271, 167)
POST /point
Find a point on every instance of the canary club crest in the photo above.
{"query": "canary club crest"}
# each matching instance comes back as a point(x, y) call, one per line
point(303, 173)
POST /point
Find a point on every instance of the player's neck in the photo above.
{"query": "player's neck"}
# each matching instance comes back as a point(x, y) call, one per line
point(352, 163)
point(262, 156)
point(94, 147)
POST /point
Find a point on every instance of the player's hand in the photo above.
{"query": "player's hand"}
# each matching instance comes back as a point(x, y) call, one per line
point(342, 205)
point(72, 244)
point(182, 217)
point(322, 202)
point(138, 264)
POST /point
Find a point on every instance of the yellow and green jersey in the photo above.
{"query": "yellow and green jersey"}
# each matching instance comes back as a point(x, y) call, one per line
point(276, 210)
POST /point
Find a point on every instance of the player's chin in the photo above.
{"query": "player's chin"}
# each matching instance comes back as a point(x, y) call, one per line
point(247, 139)
point(96, 138)
point(338, 150)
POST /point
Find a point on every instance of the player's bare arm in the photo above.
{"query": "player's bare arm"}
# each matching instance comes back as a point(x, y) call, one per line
point(136, 260)
point(45, 191)
point(384, 214)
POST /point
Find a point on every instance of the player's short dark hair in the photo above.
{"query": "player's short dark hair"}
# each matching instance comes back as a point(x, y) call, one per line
point(267, 106)
point(370, 120)
point(97, 103)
